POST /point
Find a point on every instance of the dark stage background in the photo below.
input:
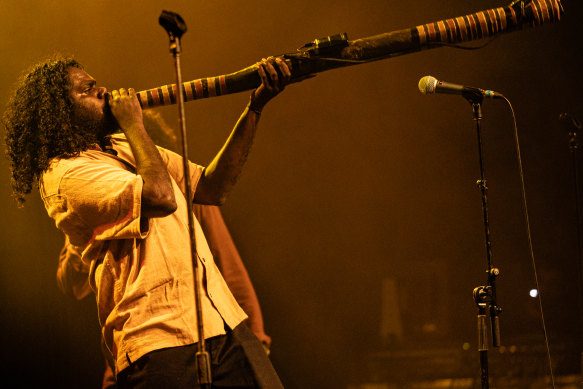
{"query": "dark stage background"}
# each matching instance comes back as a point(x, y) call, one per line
point(356, 181)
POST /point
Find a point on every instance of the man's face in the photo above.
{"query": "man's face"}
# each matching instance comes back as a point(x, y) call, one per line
point(90, 112)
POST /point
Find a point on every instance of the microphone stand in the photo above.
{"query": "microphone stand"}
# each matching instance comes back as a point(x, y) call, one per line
point(571, 124)
point(484, 296)
point(175, 27)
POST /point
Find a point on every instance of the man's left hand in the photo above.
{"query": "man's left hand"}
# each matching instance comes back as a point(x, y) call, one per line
point(271, 82)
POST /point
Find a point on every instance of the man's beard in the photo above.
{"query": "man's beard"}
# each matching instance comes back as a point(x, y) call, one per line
point(91, 125)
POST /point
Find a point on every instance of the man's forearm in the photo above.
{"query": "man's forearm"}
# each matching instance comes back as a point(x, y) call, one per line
point(222, 173)
point(157, 193)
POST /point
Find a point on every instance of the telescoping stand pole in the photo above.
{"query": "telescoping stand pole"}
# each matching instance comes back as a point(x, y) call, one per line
point(573, 126)
point(485, 296)
point(175, 27)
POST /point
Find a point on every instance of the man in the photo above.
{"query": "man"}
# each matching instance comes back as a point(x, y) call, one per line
point(72, 273)
point(121, 202)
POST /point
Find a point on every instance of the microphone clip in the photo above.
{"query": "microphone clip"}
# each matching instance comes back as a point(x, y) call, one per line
point(174, 26)
point(473, 95)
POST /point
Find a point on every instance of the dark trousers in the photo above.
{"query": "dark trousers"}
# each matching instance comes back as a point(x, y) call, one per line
point(238, 360)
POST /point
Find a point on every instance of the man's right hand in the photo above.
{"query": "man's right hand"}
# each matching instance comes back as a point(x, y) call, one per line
point(125, 107)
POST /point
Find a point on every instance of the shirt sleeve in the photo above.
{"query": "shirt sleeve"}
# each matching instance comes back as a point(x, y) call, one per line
point(97, 201)
point(175, 168)
point(72, 273)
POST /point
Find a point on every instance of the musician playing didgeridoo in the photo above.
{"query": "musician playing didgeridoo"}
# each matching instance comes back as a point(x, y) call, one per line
point(120, 200)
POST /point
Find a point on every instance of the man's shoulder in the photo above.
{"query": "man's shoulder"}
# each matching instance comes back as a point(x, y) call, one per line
point(63, 164)
point(51, 178)
point(59, 167)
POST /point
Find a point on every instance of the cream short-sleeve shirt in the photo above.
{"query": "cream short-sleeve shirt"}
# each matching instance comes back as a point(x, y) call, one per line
point(140, 269)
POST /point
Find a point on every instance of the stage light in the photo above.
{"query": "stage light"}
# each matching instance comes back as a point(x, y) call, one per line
point(533, 293)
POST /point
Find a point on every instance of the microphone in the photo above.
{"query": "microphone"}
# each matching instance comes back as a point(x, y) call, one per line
point(429, 85)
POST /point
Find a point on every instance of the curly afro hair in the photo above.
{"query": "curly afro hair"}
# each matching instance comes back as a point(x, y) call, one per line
point(38, 121)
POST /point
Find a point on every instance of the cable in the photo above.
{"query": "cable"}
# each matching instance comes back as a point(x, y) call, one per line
point(530, 246)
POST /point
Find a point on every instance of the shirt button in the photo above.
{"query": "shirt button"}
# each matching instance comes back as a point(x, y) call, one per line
point(210, 295)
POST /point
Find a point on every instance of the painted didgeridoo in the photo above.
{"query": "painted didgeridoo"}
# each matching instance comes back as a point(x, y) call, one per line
point(337, 51)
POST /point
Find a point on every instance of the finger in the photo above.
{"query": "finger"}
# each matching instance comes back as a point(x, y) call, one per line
point(131, 92)
point(265, 81)
point(123, 92)
point(288, 62)
point(284, 69)
point(115, 95)
point(271, 73)
point(261, 72)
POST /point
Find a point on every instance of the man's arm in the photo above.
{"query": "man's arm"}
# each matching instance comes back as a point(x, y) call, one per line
point(232, 267)
point(221, 175)
point(157, 192)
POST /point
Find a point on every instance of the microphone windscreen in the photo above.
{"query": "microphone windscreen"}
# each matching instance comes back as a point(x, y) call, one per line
point(427, 85)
